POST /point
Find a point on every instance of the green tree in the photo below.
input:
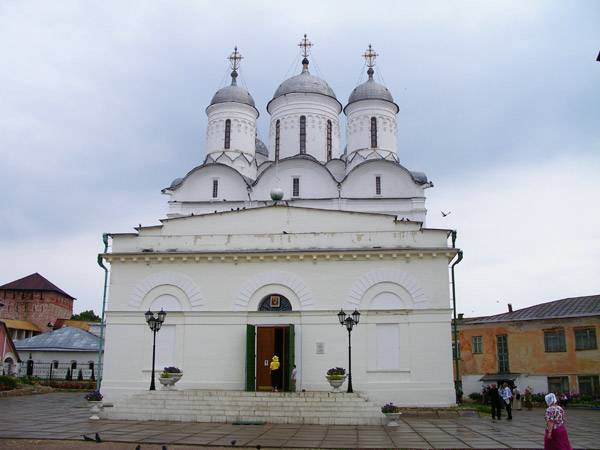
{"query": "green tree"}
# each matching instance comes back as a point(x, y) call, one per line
point(87, 316)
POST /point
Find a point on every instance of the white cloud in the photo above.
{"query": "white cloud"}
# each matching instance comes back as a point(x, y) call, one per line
point(530, 233)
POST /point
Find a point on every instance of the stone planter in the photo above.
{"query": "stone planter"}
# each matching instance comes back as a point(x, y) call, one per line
point(169, 383)
point(392, 418)
point(336, 382)
point(95, 408)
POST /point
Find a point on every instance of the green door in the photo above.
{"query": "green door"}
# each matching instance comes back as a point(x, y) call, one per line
point(250, 356)
point(291, 357)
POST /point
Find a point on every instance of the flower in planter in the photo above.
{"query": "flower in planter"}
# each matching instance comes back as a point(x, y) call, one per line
point(390, 408)
point(336, 373)
point(171, 369)
point(165, 374)
point(94, 396)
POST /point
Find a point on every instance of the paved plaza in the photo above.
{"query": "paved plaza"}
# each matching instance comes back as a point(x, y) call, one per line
point(27, 422)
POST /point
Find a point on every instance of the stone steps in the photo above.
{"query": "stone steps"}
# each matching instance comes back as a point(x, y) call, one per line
point(322, 408)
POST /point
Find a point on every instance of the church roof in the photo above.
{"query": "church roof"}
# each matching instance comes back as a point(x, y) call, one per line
point(557, 309)
point(304, 83)
point(371, 90)
point(233, 93)
point(64, 339)
point(261, 148)
point(33, 282)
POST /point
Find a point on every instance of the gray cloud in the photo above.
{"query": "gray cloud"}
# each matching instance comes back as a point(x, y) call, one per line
point(101, 105)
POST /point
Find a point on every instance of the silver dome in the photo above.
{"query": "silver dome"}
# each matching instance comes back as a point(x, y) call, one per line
point(371, 90)
point(261, 148)
point(304, 83)
point(233, 93)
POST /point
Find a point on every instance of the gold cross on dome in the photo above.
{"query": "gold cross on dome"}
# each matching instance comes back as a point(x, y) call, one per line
point(370, 56)
point(305, 45)
point(235, 58)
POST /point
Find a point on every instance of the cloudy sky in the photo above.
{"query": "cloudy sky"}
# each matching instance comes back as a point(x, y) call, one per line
point(102, 105)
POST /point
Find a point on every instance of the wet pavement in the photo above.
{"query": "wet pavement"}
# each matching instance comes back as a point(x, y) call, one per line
point(63, 417)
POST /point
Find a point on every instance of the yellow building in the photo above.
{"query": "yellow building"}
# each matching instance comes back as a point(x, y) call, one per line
point(550, 347)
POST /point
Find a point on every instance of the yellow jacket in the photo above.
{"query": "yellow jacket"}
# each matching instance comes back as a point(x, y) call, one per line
point(274, 363)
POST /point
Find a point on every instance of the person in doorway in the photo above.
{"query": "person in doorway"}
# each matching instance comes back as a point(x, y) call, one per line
point(293, 378)
point(495, 402)
point(555, 435)
point(274, 367)
point(506, 394)
point(517, 398)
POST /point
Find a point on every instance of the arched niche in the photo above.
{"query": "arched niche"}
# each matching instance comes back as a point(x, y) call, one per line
point(275, 303)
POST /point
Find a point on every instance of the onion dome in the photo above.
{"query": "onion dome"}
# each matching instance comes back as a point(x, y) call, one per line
point(261, 148)
point(305, 82)
point(370, 89)
point(233, 92)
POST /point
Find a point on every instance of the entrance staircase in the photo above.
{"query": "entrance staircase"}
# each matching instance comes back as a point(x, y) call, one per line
point(316, 407)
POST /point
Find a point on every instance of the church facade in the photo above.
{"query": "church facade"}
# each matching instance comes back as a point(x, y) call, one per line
point(264, 244)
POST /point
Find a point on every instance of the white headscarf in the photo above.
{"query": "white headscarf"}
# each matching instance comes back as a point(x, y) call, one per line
point(550, 399)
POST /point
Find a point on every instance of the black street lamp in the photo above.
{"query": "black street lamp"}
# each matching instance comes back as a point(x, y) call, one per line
point(154, 322)
point(349, 322)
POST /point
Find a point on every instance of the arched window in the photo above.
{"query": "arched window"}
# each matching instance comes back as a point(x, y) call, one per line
point(275, 302)
point(302, 134)
point(55, 364)
point(227, 134)
point(277, 140)
point(73, 365)
point(329, 140)
point(373, 132)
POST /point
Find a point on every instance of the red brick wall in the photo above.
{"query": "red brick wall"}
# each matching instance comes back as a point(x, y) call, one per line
point(38, 308)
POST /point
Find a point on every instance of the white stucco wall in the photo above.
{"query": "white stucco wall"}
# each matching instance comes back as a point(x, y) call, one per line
point(404, 301)
point(358, 129)
point(317, 109)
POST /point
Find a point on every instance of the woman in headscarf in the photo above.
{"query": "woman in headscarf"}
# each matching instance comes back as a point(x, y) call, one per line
point(555, 436)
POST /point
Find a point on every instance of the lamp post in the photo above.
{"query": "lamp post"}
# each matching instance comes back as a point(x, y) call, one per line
point(154, 322)
point(349, 322)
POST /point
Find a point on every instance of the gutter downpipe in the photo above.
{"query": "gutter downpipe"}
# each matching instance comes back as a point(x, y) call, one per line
point(102, 322)
point(456, 356)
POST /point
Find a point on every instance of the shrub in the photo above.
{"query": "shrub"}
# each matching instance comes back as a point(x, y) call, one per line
point(80, 375)
point(336, 373)
point(476, 397)
point(7, 383)
point(68, 376)
point(390, 408)
point(69, 384)
point(94, 396)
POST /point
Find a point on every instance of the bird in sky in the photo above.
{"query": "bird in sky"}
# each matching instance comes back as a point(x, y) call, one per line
point(444, 214)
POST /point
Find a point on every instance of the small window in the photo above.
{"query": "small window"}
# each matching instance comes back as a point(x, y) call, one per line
point(373, 132)
point(55, 364)
point(215, 191)
point(554, 341)
point(302, 134)
point(277, 137)
point(585, 339)
point(558, 385)
point(227, 134)
point(377, 185)
point(91, 365)
point(329, 145)
point(73, 365)
point(589, 385)
point(295, 187)
point(477, 344)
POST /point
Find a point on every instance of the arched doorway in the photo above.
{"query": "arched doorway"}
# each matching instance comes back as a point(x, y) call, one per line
point(265, 341)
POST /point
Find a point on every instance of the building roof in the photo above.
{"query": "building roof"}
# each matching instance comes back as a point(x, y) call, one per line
point(557, 309)
point(82, 324)
point(34, 282)
point(371, 90)
point(66, 339)
point(20, 325)
point(9, 341)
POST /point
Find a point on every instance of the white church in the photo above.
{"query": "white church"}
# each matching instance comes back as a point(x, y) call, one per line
point(262, 245)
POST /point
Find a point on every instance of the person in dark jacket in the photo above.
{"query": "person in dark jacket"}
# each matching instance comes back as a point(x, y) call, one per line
point(496, 402)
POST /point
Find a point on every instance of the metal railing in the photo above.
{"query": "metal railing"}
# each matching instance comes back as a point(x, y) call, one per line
point(59, 371)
